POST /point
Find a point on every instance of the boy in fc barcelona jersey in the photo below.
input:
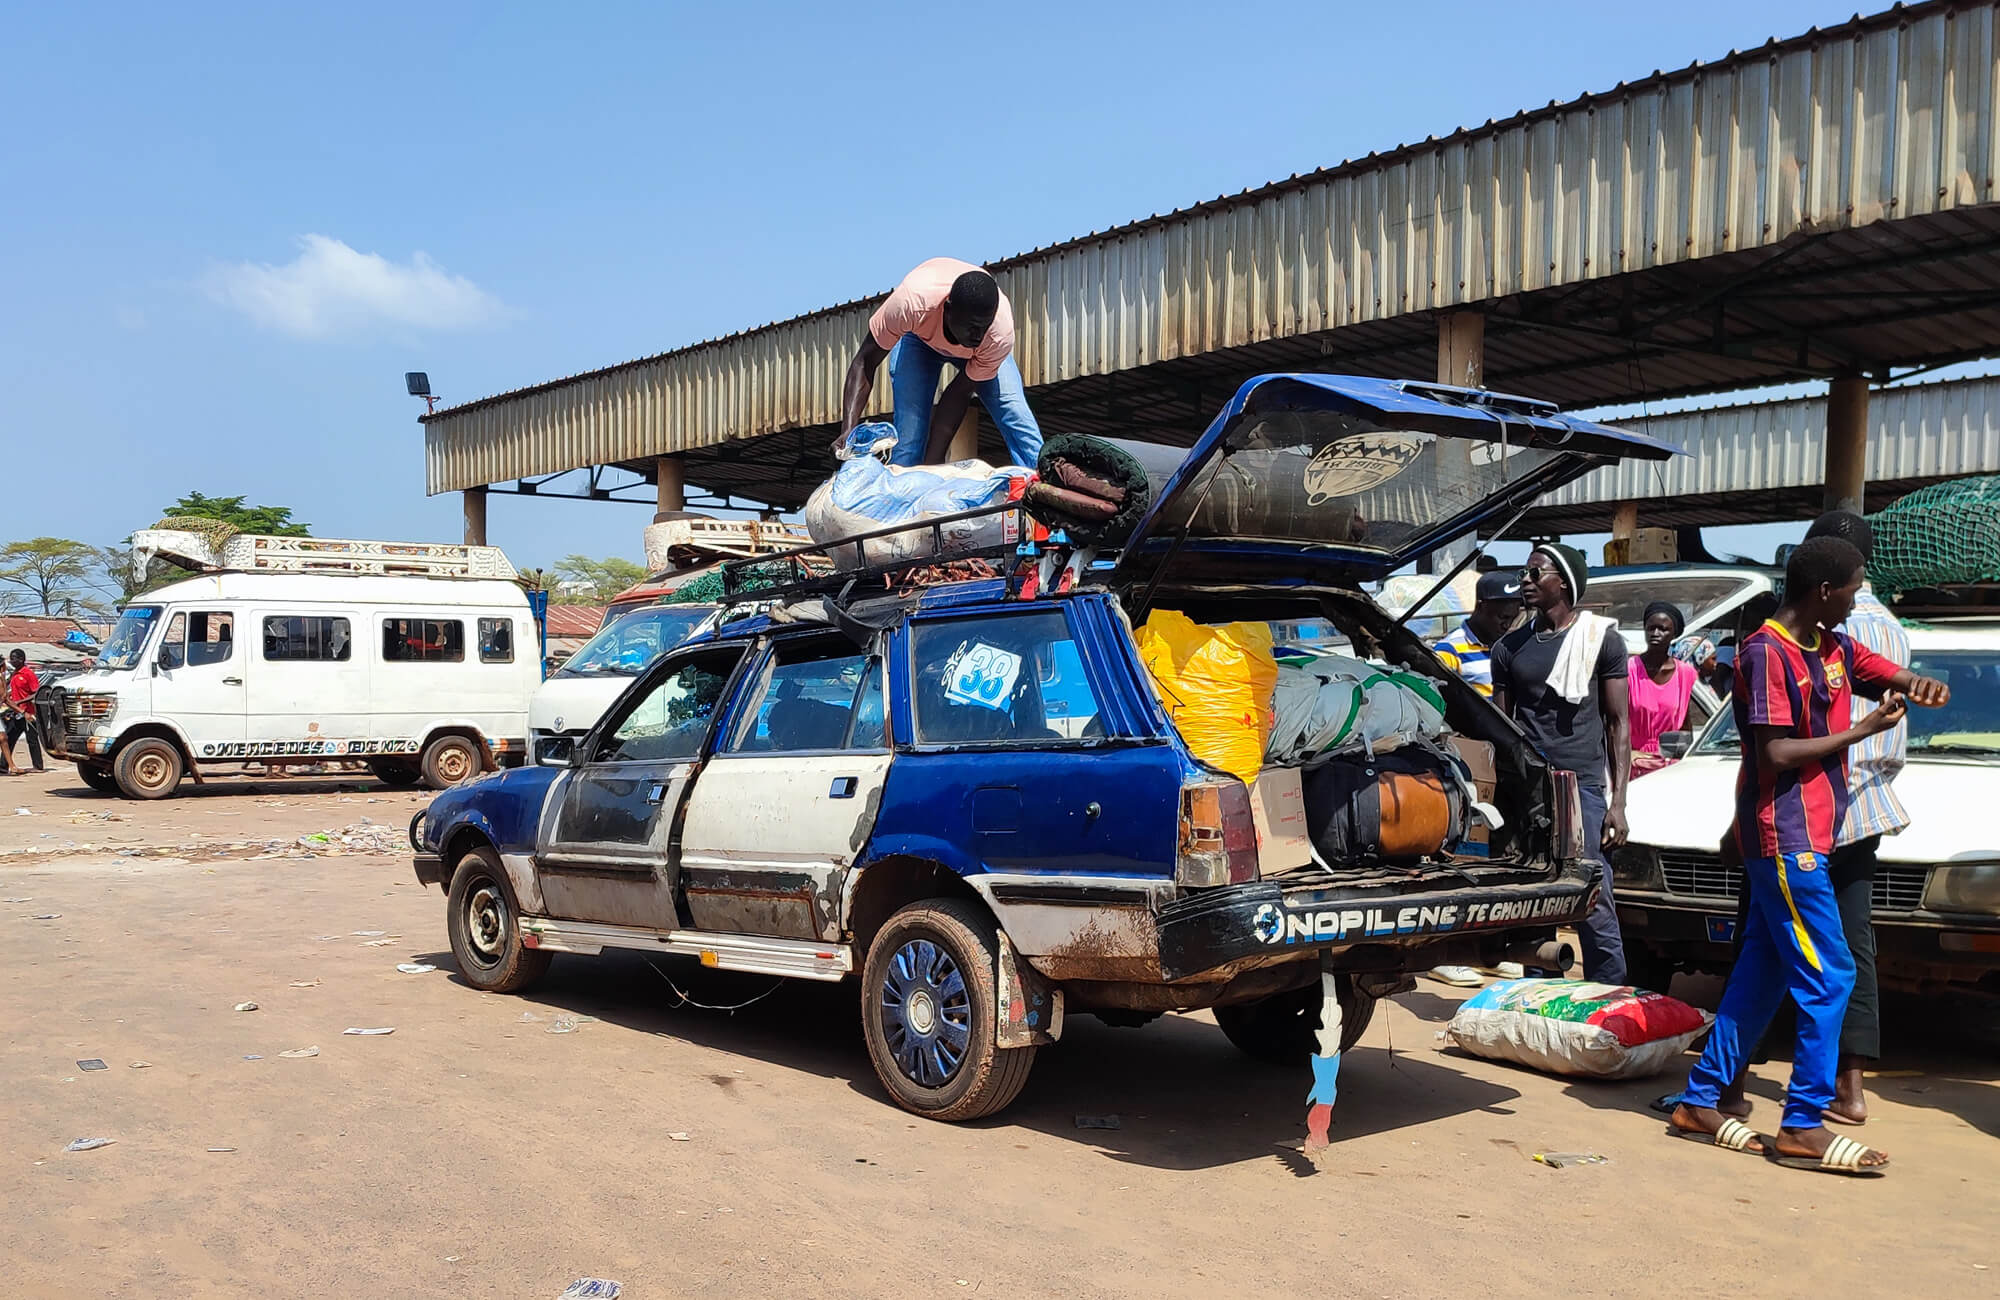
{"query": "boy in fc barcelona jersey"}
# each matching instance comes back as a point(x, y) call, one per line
point(1796, 679)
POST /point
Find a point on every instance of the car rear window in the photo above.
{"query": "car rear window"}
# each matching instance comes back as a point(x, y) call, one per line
point(1001, 679)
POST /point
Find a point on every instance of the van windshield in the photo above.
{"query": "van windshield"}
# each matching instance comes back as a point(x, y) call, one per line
point(128, 639)
point(624, 648)
point(1328, 477)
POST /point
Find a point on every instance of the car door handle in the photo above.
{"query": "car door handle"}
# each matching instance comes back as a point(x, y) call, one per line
point(656, 792)
point(844, 787)
point(232, 681)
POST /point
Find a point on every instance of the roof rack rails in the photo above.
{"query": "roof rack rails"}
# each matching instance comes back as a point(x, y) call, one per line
point(883, 553)
point(264, 553)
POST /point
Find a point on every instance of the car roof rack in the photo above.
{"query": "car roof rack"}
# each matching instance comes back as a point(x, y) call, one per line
point(866, 563)
point(264, 553)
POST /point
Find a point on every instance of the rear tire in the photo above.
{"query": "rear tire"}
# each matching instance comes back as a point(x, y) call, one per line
point(485, 927)
point(397, 776)
point(98, 778)
point(148, 768)
point(450, 761)
point(929, 1006)
point(1283, 1029)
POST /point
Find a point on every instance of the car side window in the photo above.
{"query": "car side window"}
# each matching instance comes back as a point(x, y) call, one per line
point(1001, 679)
point(819, 697)
point(670, 721)
point(197, 638)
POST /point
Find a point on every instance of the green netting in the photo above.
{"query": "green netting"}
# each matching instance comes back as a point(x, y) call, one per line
point(1943, 534)
point(214, 531)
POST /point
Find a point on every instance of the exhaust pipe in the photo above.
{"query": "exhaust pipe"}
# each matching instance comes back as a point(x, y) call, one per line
point(1549, 954)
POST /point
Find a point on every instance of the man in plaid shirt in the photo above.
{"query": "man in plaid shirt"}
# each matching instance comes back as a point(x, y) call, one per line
point(1873, 811)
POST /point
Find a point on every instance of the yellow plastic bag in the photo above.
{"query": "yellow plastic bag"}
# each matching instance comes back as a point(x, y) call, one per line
point(1216, 683)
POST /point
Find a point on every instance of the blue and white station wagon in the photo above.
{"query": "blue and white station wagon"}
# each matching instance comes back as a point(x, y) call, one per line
point(977, 801)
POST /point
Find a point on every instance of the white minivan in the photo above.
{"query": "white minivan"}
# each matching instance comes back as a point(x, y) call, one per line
point(417, 660)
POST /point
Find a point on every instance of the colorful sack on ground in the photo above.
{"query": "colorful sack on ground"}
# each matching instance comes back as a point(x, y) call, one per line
point(1216, 683)
point(1575, 1027)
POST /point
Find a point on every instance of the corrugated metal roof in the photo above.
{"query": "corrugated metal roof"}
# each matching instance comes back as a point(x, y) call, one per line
point(1766, 461)
point(1740, 164)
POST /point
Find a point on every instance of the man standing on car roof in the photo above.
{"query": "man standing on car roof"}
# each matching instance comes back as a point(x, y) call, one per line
point(1795, 682)
point(1872, 812)
point(1563, 678)
point(1496, 608)
point(945, 311)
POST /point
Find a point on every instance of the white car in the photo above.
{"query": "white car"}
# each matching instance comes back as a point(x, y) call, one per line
point(1937, 893)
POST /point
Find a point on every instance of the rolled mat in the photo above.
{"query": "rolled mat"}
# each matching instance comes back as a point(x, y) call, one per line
point(1091, 489)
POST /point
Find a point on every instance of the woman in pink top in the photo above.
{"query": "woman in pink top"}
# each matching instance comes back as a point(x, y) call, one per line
point(1661, 687)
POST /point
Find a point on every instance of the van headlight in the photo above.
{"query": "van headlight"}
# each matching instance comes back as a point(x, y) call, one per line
point(1637, 866)
point(1964, 887)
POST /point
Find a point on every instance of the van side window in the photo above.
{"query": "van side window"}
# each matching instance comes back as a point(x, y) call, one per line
point(1001, 679)
point(814, 698)
point(423, 641)
point(496, 640)
point(310, 638)
point(197, 638)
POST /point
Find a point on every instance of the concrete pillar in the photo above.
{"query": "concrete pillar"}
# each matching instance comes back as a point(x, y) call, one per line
point(475, 516)
point(1461, 361)
point(670, 480)
point(965, 440)
point(1846, 443)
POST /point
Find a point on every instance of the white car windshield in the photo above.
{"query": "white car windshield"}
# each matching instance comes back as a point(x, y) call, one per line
point(1623, 597)
point(624, 648)
point(1968, 727)
point(128, 639)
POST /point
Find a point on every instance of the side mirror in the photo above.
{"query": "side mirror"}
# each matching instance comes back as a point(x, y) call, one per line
point(1675, 744)
point(558, 751)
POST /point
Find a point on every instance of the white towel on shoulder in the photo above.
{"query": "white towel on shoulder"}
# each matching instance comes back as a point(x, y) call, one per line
point(1576, 660)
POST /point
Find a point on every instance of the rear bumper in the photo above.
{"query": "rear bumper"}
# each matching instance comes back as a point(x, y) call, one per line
point(1264, 918)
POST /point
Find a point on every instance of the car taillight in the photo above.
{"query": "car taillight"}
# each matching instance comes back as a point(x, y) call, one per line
point(1568, 817)
point(1218, 841)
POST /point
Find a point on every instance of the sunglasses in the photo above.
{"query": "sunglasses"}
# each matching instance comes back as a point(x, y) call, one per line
point(1535, 573)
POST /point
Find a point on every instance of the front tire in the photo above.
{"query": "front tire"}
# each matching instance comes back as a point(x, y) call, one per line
point(397, 776)
point(148, 768)
point(98, 778)
point(485, 927)
point(450, 761)
point(1283, 1029)
point(929, 1006)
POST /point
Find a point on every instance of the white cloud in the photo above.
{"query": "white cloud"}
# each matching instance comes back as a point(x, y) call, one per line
point(330, 289)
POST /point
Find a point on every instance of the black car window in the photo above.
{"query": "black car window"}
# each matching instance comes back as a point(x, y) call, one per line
point(814, 698)
point(1000, 679)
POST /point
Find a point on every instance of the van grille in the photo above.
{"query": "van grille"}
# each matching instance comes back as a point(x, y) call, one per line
point(1897, 888)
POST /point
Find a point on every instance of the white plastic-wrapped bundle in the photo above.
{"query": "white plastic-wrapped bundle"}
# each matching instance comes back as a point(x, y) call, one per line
point(1331, 704)
point(866, 494)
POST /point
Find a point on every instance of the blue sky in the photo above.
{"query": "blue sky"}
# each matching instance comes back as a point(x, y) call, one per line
point(230, 230)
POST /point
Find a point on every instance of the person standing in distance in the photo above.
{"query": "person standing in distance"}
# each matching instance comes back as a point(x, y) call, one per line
point(1562, 677)
point(944, 311)
point(1468, 652)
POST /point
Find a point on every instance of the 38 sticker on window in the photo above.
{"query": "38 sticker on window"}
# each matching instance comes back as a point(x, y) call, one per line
point(982, 674)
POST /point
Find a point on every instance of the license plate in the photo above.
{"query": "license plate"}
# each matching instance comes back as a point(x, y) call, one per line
point(1722, 929)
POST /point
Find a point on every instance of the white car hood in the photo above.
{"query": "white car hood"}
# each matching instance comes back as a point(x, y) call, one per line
point(578, 701)
point(1688, 806)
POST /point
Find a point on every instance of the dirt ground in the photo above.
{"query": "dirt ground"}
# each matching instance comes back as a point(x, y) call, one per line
point(604, 1126)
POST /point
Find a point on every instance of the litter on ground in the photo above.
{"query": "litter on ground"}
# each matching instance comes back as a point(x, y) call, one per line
point(246, 1006)
point(415, 967)
point(92, 1064)
point(371, 1033)
point(299, 1053)
point(89, 1144)
point(591, 1288)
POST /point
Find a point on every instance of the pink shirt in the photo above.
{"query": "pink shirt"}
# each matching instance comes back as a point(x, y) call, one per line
point(917, 307)
point(1658, 709)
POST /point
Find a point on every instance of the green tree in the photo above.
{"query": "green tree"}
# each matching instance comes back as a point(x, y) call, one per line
point(53, 575)
point(271, 521)
point(581, 580)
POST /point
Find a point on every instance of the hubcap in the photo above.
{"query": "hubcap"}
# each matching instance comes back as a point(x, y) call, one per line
point(454, 763)
point(926, 1013)
point(486, 923)
point(152, 770)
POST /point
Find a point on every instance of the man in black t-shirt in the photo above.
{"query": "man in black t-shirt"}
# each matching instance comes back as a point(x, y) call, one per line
point(1562, 676)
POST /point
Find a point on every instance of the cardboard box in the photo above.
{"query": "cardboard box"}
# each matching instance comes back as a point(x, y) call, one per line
point(1478, 757)
point(1644, 546)
point(1278, 804)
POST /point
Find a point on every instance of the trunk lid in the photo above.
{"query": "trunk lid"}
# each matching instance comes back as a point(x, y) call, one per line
point(1324, 476)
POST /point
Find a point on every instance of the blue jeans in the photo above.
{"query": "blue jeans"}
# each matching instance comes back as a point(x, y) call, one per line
point(914, 370)
point(1793, 942)
point(1598, 933)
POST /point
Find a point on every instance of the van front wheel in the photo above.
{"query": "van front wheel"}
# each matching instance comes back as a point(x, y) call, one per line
point(149, 768)
point(450, 761)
